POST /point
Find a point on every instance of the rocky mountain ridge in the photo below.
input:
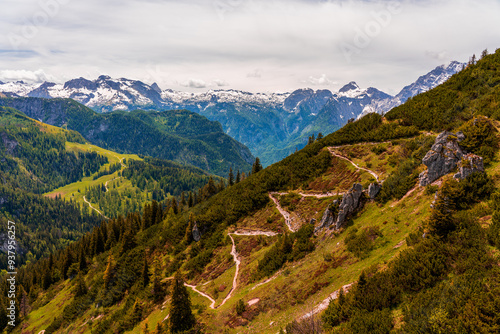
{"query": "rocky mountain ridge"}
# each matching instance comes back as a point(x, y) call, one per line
point(271, 125)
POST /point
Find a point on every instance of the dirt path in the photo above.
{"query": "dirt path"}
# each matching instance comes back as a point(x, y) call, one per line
point(237, 261)
point(267, 280)
point(212, 306)
point(120, 160)
point(331, 149)
point(106, 185)
point(324, 304)
point(284, 213)
point(328, 194)
point(94, 208)
point(254, 232)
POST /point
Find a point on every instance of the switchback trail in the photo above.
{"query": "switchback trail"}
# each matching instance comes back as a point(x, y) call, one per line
point(237, 261)
point(331, 149)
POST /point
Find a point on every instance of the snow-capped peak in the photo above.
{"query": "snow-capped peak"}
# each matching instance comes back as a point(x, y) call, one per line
point(350, 86)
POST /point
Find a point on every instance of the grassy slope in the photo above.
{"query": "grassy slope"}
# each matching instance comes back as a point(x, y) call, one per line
point(280, 299)
point(76, 190)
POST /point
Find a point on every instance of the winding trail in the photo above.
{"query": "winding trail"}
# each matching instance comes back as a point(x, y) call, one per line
point(237, 261)
point(106, 185)
point(284, 213)
point(212, 306)
point(94, 208)
point(375, 175)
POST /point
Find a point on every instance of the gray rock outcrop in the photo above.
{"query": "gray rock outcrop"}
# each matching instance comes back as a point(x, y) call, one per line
point(337, 213)
point(329, 216)
point(442, 158)
point(373, 190)
point(350, 203)
point(445, 156)
point(196, 232)
point(469, 164)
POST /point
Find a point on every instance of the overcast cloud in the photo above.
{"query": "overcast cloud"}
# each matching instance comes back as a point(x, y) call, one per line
point(253, 45)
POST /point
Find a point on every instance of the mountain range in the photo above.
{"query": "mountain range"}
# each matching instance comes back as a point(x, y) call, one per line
point(271, 125)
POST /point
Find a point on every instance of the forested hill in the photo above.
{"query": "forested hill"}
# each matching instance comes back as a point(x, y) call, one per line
point(181, 136)
point(34, 156)
point(33, 160)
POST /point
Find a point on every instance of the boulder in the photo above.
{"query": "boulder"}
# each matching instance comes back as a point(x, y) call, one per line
point(442, 158)
point(196, 232)
point(469, 164)
point(373, 190)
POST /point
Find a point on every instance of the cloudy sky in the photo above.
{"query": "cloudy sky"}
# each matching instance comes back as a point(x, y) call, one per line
point(253, 45)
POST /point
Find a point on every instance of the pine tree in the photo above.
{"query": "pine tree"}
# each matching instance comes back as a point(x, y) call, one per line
point(181, 317)
point(257, 167)
point(136, 313)
point(154, 212)
point(109, 274)
point(174, 206)
point(320, 136)
point(210, 189)
point(145, 273)
point(240, 307)
point(80, 288)
point(159, 214)
point(190, 199)
point(238, 176)
point(67, 261)
point(111, 241)
point(24, 306)
point(99, 241)
point(82, 261)
point(159, 329)
point(230, 178)
point(128, 241)
point(47, 279)
point(188, 236)
point(158, 291)
point(441, 221)
point(146, 217)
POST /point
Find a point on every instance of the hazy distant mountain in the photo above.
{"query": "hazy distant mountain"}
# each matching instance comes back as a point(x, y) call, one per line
point(272, 125)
